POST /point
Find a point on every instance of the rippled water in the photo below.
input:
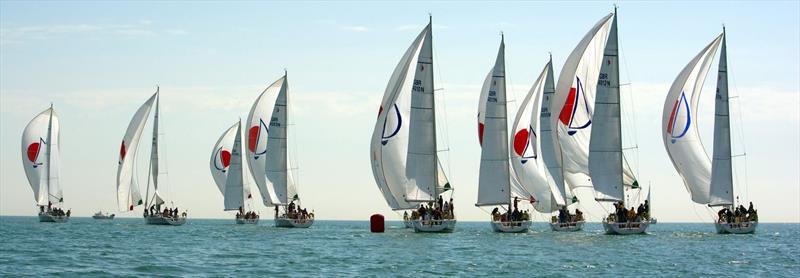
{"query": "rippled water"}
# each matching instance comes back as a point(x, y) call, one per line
point(127, 247)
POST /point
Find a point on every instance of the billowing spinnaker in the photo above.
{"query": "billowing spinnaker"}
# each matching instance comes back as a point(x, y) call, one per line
point(128, 195)
point(258, 130)
point(679, 125)
point(389, 143)
point(234, 184)
point(494, 180)
point(221, 157)
point(528, 159)
point(34, 157)
point(721, 190)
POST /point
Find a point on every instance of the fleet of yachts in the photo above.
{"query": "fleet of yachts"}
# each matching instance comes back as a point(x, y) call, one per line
point(567, 134)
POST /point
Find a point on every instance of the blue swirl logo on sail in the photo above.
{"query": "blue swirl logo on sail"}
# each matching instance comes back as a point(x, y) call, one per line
point(576, 96)
point(385, 138)
point(680, 108)
point(254, 137)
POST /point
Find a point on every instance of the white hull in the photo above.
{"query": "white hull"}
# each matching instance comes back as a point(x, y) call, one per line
point(408, 223)
point(44, 217)
point(434, 226)
point(567, 226)
point(511, 227)
point(293, 223)
point(625, 228)
point(736, 228)
point(158, 220)
point(246, 221)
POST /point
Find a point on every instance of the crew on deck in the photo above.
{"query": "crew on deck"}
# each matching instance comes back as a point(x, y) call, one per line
point(438, 210)
point(633, 214)
point(295, 212)
point(565, 217)
point(246, 215)
point(739, 215)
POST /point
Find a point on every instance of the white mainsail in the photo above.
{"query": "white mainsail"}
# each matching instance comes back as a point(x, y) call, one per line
point(400, 157)
point(227, 168)
point(679, 125)
point(40, 156)
point(605, 148)
point(721, 168)
point(529, 153)
point(550, 149)
point(267, 145)
point(494, 177)
point(154, 170)
point(128, 195)
point(574, 100)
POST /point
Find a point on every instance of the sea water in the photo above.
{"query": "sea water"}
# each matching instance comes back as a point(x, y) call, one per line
point(127, 247)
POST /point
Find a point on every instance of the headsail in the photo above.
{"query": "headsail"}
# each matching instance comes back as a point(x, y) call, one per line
point(679, 125)
point(494, 179)
point(529, 143)
point(390, 138)
point(128, 195)
point(154, 170)
point(38, 134)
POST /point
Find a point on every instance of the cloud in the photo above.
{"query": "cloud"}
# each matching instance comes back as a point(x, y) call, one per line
point(357, 29)
point(19, 34)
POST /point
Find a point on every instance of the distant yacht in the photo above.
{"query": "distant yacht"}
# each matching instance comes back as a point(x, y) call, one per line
point(268, 156)
point(403, 150)
point(103, 216)
point(41, 160)
point(227, 170)
point(709, 181)
point(128, 196)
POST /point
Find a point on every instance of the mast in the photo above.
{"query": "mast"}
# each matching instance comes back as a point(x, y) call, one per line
point(433, 113)
point(153, 169)
point(721, 191)
point(286, 137)
point(47, 151)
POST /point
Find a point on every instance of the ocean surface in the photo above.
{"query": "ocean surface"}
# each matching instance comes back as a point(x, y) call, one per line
point(127, 247)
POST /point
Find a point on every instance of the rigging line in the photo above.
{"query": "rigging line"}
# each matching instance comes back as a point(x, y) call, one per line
point(741, 127)
point(629, 85)
point(444, 110)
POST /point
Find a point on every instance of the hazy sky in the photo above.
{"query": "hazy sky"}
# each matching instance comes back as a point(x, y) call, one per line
point(97, 62)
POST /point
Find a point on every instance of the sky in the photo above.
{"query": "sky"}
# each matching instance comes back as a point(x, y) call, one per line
point(98, 62)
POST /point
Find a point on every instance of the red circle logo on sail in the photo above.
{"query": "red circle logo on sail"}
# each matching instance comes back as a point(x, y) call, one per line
point(33, 151)
point(520, 141)
point(122, 151)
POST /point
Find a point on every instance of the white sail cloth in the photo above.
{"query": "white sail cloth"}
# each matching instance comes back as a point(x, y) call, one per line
point(574, 102)
point(403, 140)
point(267, 152)
point(40, 151)
point(494, 178)
point(128, 195)
point(680, 133)
point(227, 168)
point(529, 152)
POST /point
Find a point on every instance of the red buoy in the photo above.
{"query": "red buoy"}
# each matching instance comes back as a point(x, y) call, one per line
point(376, 223)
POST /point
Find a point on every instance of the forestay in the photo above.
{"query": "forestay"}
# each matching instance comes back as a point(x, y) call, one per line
point(128, 195)
point(679, 125)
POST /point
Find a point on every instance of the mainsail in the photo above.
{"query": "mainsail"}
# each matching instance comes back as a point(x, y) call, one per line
point(721, 167)
point(532, 157)
point(128, 195)
point(403, 146)
point(679, 125)
point(574, 100)
point(494, 178)
point(227, 168)
point(40, 157)
point(267, 145)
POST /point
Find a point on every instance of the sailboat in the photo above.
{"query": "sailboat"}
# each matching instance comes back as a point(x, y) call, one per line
point(709, 181)
point(268, 157)
point(607, 165)
point(41, 160)
point(494, 181)
point(128, 195)
point(227, 170)
point(534, 158)
point(403, 149)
